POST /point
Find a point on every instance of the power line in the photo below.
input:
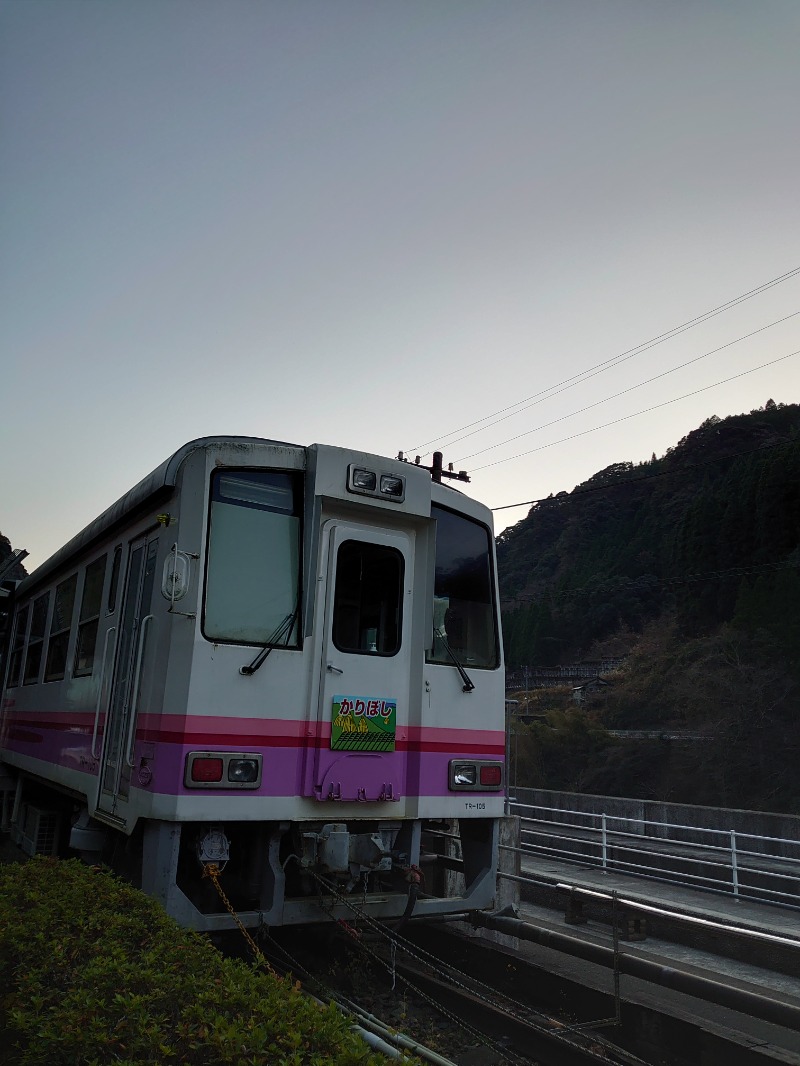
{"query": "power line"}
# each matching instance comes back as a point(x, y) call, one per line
point(644, 411)
point(650, 477)
point(623, 392)
point(608, 363)
point(647, 582)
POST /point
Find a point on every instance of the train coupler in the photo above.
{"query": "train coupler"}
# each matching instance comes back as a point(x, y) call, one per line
point(213, 848)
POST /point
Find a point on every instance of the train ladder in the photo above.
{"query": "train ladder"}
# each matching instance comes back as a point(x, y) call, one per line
point(212, 872)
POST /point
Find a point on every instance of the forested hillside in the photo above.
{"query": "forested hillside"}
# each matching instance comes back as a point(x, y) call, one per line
point(688, 564)
point(15, 573)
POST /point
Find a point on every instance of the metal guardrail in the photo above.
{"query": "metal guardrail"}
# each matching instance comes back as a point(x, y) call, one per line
point(733, 862)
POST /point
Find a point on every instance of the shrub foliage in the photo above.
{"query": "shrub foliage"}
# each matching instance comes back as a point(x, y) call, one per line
point(94, 972)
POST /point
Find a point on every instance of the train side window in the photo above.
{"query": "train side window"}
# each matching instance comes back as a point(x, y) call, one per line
point(55, 666)
point(89, 617)
point(254, 552)
point(18, 645)
point(368, 598)
point(112, 585)
point(33, 656)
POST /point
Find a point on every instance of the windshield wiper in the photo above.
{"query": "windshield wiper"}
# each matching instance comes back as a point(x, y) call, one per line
point(283, 632)
point(468, 683)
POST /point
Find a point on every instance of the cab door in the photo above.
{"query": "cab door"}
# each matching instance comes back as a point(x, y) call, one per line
point(366, 660)
point(130, 662)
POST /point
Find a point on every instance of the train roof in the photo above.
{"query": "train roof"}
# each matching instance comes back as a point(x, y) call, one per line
point(158, 483)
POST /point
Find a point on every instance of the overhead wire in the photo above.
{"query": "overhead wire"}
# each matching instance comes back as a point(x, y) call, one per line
point(635, 414)
point(649, 582)
point(623, 392)
point(649, 477)
point(608, 363)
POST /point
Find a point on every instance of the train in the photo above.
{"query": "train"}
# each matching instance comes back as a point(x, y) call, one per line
point(278, 663)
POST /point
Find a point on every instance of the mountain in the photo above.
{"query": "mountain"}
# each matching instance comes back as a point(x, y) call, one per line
point(689, 565)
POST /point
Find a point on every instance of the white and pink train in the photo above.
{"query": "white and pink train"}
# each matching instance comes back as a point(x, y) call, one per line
point(284, 660)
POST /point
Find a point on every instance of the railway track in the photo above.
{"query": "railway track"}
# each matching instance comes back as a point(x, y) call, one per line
point(459, 999)
point(446, 1015)
point(518, 1032)
point(491, 1003)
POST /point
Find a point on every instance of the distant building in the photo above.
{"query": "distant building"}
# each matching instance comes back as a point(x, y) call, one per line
point(593, 685)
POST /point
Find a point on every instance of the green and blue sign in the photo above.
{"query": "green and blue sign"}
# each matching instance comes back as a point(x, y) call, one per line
point(363, 723)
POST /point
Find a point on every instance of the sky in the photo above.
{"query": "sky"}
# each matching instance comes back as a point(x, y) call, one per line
point(387, 224)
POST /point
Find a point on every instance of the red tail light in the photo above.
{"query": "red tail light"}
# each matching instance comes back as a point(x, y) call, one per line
point(207, 770)
point(491, 776)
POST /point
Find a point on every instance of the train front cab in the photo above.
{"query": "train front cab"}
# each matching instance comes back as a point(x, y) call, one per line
point(382, 770)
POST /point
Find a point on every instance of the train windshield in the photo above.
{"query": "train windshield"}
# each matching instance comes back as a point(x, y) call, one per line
point(253, 571)
point(464, 622)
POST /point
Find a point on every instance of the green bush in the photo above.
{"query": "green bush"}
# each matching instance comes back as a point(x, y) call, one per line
point(94, 972)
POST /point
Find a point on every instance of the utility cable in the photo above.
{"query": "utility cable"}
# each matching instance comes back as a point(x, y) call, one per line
point(623, 392)
point(635, 414)
point(650, 477)
point(648, 582)
point(629, 353)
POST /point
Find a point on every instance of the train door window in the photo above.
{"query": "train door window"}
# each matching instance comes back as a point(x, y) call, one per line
point(463, 601)
point(368, 598)
point(18, 645)
point(89, 617)
point(112, 585)
point(55, 665)
point(253, 565)
point(33, 656)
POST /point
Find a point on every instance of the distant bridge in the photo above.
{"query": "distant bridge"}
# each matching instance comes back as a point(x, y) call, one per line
point(548, 676)
point(659, 734)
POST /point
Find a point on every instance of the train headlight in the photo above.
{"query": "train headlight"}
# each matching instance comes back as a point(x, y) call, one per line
point(475, 776)
point(389, 487)
point(365, 480)
point(392, 486)
point(465, 774)
point(222, 769)
point(243, 771)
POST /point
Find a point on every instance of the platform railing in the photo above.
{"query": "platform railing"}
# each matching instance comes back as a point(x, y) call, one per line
point(745, 865)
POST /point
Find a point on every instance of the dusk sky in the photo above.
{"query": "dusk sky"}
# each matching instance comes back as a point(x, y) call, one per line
point(376, 223)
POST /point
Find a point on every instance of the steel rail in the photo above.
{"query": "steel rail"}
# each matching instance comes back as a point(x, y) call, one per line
point(710, 990)
point(735, 930)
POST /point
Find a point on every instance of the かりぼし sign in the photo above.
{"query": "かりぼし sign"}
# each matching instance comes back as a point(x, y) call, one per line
point(363, 723)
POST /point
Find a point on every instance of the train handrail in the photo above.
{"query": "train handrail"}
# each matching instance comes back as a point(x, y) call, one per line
point(113, 629)
point(137, 678)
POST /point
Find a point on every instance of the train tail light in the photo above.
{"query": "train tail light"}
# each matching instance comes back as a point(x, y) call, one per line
point(206, 771)
point(491, 776)
point(475, 775)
